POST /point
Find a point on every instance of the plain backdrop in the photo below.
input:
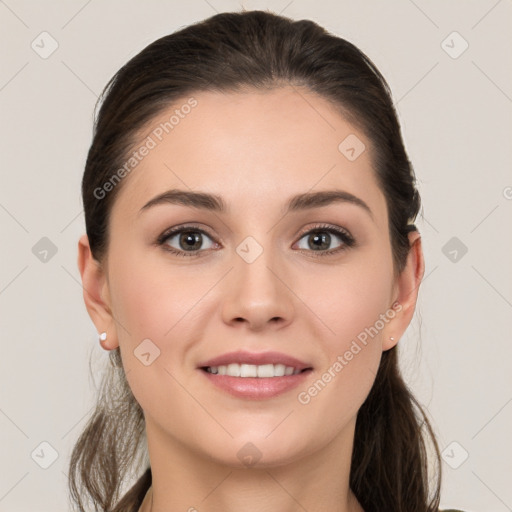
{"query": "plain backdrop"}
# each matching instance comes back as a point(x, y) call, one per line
point(449, 67)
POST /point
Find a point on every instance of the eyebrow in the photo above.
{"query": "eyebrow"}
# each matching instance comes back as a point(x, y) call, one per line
point(215, 203)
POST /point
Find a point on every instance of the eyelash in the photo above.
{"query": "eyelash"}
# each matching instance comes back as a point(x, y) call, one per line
point(346, 238)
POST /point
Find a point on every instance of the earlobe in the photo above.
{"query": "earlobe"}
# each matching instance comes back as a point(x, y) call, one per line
point(406, 292)
point(95, 293)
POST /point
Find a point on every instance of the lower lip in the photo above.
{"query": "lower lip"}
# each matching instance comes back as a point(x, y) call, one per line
point(256, 388)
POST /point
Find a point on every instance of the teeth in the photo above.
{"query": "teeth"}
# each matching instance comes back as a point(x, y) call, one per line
point(251, 370)
point(231, 369)
point(248, 370)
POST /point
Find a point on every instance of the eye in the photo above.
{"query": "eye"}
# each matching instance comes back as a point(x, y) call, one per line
point(185, 240)
point(190, 240)
point(319, 240)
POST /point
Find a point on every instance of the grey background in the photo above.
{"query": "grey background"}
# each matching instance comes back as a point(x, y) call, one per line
point(455, 109)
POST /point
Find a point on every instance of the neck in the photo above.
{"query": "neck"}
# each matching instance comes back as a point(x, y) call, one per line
point(318, 482)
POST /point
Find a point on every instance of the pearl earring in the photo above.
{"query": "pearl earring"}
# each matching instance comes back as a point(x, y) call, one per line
point(103, 336)
point(391, 338)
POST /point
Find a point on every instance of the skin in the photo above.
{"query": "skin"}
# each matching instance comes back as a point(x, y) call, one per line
point(255, 149)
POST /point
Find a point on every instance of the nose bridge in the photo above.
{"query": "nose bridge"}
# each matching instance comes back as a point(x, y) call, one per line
point(256, 292)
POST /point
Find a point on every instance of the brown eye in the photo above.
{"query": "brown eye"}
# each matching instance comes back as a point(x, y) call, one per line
point(320, 240)
point(189, 240)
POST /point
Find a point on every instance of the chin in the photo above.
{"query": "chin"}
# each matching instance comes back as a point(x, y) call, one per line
point(259, 451)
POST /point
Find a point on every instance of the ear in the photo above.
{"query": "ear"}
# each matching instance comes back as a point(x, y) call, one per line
point(405, 292)
point(96, 293)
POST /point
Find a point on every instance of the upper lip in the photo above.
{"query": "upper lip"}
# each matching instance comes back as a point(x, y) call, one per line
point(243, 357)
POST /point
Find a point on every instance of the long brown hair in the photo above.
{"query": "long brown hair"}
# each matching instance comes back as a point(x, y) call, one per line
point(258, 49)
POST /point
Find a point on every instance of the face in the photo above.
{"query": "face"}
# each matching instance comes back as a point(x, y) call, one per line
point(309, 280)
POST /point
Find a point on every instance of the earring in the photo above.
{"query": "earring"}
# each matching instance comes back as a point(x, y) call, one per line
point(391, 338)
point(103, 336)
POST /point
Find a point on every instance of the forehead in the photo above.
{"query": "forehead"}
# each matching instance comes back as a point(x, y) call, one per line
point(252, 147)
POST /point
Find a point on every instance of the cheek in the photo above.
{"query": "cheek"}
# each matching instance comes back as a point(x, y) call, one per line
point(335, 392)
point(352, 302)
point(151, 299)
point(351, 298)
point(154, 303)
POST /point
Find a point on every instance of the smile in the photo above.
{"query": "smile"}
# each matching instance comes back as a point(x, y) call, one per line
point(252, 370)
point(239, 380)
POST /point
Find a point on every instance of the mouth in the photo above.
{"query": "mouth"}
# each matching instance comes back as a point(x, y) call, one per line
point(255, 376)
point(264, 371)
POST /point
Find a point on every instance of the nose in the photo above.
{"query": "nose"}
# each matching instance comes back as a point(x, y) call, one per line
point(258, 294)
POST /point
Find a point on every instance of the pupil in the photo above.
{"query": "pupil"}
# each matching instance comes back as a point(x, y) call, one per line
point(322, 238)
point(191, 241)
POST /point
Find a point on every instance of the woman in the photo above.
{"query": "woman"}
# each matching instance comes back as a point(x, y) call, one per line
point(251, 262)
